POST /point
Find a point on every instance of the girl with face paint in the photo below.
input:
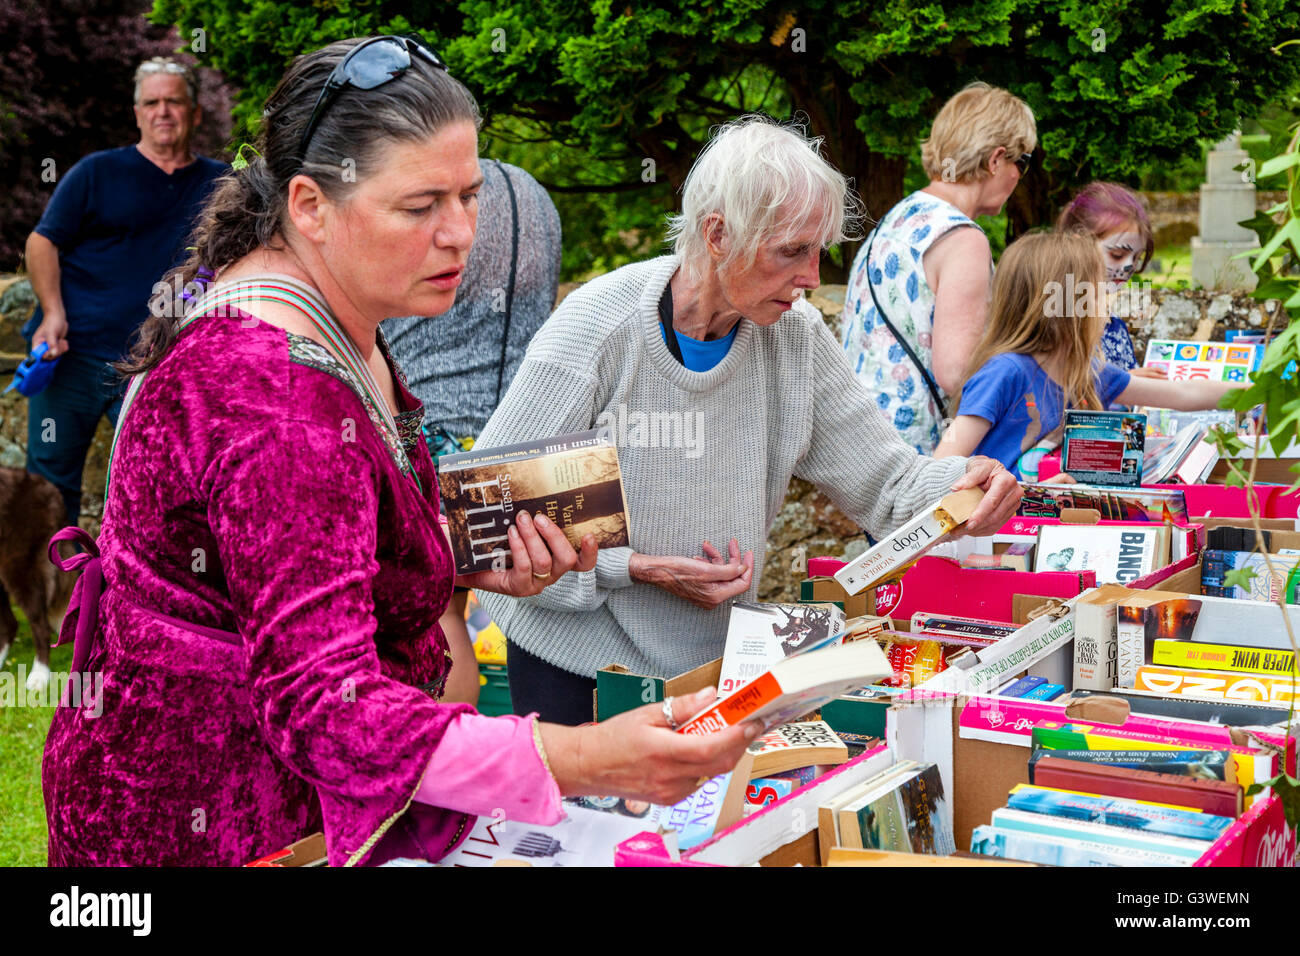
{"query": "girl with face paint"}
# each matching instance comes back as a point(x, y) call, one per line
point(1115, 217)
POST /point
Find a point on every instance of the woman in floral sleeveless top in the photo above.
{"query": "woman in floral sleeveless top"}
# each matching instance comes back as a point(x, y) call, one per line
point(930, 265)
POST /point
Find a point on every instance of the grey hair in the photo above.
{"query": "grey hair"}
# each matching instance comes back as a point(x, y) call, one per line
point(160, 64)
point(247, 208)
point(767, 181)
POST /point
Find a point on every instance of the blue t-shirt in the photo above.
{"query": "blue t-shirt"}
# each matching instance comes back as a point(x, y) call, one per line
point(1023, 404)
point(703, 356)
point(120, 224)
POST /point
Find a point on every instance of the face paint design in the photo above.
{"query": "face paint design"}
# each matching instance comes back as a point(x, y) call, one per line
point(1120, 250)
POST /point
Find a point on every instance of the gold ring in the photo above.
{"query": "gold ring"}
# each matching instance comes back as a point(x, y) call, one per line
point(541, 577)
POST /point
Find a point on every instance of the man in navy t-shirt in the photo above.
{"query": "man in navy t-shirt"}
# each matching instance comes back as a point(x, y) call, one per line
point(117, 222)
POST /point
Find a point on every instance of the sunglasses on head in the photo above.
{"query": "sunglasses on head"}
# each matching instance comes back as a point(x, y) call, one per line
point(367, 66)
point(1022, 163)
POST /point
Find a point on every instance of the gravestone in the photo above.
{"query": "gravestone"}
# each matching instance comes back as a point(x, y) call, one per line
point(1227, 198)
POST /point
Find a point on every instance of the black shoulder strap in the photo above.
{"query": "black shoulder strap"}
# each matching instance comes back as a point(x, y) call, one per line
point(510, 286)
point(925, 373)
point(666, 320)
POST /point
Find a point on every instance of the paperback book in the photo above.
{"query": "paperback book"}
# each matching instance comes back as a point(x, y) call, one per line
point(1113, 504)
point(892, 555)
point(791, 746)
point(1264, 586)
point(1118, 554)
point(1213, 796)
point(1045, 825)
point(572, 479)
point(1223, 657)
point(908, 816)
point(1216, 361)
point(759, 635)
point(1221, 685)
point(1104, 448)
point(1192, 764)
point(795, 686)
point(1118, 811)
point(1059, 850)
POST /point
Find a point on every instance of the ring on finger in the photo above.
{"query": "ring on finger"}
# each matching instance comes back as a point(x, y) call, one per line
point(541, 577)
point(668, 714)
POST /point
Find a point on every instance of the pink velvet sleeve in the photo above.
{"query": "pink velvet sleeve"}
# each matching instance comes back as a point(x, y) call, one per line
point(492, 766)
point(295, 511)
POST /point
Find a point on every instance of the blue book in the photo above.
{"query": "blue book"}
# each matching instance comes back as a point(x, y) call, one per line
point(1047, 825)
point(1063, 851)
point(1117, 811)
point(1023, 686)
point(1045, 692)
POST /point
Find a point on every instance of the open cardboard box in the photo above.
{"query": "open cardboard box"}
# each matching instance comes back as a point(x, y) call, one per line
point(942, 586)
point(982, 743)
point(618, 689)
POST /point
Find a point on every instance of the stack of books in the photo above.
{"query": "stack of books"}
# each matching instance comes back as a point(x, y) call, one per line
point(902, 809)
point(1100, 796)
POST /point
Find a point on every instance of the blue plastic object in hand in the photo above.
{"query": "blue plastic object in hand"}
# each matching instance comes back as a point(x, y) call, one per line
point(34, 373)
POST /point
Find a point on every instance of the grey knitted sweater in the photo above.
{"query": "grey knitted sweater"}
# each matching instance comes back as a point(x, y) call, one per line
point(451, 360)
point(783, 402)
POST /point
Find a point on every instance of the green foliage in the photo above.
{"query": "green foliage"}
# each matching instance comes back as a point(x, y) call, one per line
point(1287, 789)
point(1116, 87)
point(1276, 384)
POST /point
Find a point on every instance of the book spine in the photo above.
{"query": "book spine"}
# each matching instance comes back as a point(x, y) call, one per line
point(1022, 687)
point(1045, 692)
point(1119, 811)
point(1046, 825)
point(1130, 640)
point(897, 551)
point(1218, 685)
point(1096, 651)
point(1063, 851)
point(1141, 785)
point(1204, 764)
point(732, 710)
point(1222, 657)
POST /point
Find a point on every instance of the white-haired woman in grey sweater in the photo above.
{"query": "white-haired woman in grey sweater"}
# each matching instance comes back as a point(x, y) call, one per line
point(719, 383)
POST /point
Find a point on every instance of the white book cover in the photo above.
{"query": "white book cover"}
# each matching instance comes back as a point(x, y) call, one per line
point(1063, 851)
point(1119, 555)
point(759, 635)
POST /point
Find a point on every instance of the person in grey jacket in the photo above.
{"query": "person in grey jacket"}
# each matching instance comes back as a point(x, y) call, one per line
point(718, 383)
point(459, 363)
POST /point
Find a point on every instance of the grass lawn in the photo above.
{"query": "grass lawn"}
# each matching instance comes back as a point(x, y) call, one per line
point(22, 740)
point(1175, 267)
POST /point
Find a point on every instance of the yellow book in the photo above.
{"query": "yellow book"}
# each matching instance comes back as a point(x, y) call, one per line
point(1215, 685)
point(1222, 657)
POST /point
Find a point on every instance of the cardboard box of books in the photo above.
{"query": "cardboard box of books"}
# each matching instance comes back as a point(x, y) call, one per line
point(983, 747)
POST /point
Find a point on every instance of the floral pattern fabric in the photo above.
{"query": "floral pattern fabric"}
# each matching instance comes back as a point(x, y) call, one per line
point(896, 274)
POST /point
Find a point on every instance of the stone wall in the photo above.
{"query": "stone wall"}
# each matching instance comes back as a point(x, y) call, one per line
point(808, 525)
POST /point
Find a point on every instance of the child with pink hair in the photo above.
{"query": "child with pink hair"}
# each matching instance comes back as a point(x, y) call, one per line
point(1115, 216)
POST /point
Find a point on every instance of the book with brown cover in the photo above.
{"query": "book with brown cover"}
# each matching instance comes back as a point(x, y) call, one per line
point(1220, 797)
point(572, 479)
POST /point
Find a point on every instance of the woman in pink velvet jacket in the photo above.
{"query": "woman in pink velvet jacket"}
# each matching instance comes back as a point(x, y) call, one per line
point(265, 610)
